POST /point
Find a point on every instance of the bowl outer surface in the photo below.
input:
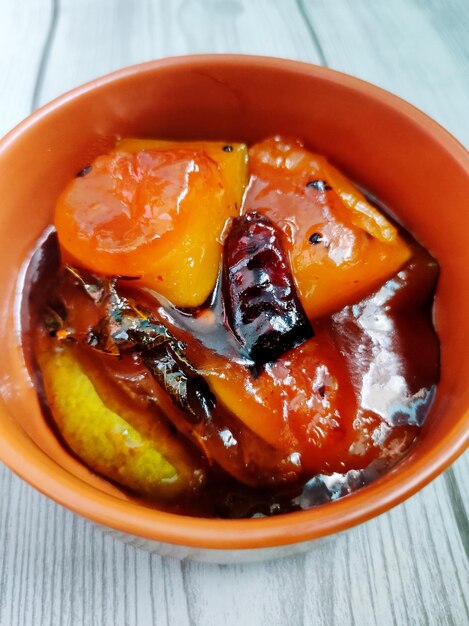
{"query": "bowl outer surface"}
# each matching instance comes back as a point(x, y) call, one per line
point(392, 149)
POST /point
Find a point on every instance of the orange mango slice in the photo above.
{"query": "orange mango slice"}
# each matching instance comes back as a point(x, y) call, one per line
point(341, 248)
point(156, 213)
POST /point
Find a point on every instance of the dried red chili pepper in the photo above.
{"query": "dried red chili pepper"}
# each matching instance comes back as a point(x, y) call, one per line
point(262, 305)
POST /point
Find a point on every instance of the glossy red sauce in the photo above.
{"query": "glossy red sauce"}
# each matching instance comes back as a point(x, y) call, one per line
point(306, 372)
point(384, 348)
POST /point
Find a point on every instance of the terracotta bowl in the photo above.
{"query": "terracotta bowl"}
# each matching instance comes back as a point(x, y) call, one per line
point(393, 150)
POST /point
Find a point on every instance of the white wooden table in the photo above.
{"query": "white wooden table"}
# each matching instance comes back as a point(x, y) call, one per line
point(409, 566)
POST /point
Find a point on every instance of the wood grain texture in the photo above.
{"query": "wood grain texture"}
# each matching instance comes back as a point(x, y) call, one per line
point(409, 566)
point(23, 32)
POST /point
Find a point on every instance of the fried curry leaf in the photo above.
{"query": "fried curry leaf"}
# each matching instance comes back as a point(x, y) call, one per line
point(125, 326)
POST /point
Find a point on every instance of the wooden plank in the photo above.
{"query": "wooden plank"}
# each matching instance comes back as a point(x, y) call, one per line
point(23, 31)
point(417, 50)
point(62, 570)
point(98, 37)
point(406, 567)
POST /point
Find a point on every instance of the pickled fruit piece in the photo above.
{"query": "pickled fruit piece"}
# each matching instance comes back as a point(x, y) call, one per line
point(106, 440)
point(364, 215)
point(340, 247)
point(247, 397)
point(155, 214)
point(232, 159)
point(306, 406)
point(222, 438)
point(262, 306)
point(303, 404)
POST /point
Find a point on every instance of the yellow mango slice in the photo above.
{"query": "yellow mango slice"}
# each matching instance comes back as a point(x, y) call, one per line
point(107, 441)
point(155, 211)
point(186, 274)
point(341, 248)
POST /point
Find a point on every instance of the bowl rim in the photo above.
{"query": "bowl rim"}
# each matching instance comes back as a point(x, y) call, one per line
point(42, 473)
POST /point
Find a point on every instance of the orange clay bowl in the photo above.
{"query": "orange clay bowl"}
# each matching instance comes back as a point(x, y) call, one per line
point(392, 149)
